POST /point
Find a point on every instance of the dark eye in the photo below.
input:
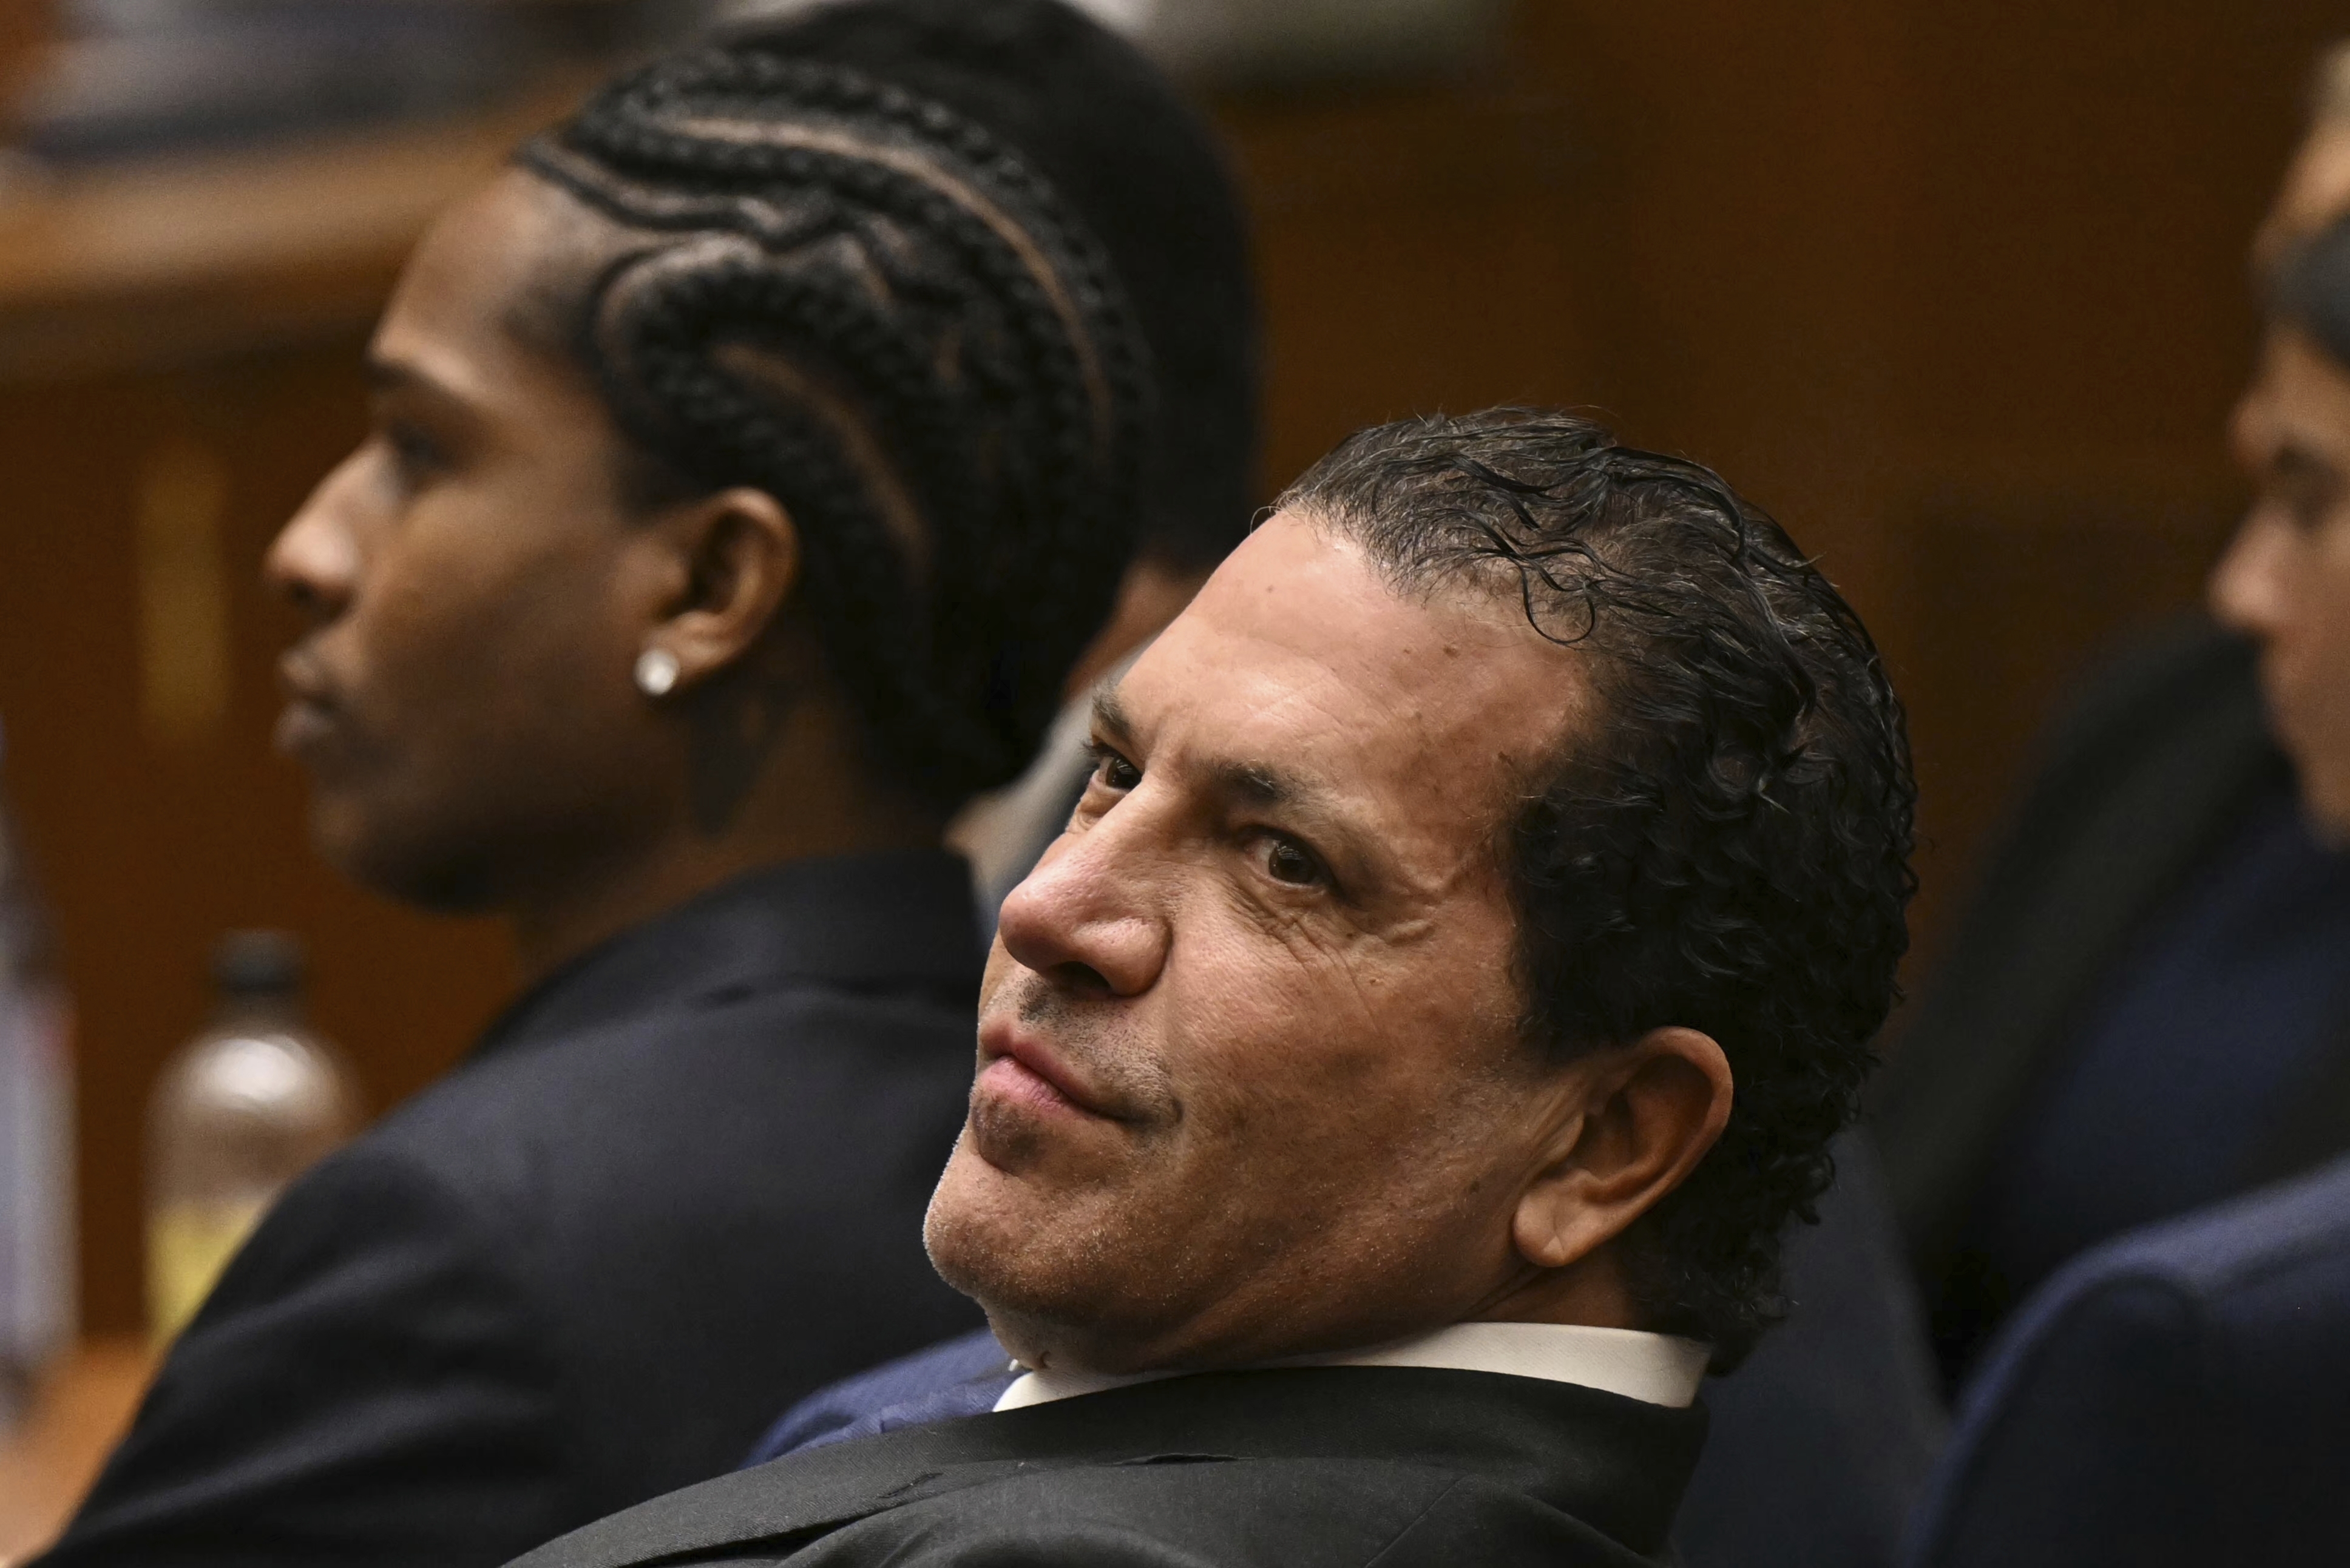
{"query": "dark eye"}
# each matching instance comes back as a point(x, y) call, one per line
point(1285, 862)
point(2310, 513)
point(1114, 771)
point(413, 453)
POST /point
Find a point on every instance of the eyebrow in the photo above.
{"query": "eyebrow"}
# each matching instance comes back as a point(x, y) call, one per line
point(387, 376)
point(2294, 458)
point(1110, 716)
point(1260, 785)
point(1256, 782)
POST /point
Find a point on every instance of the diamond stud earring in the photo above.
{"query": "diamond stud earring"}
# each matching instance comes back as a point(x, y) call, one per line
point(656, 671)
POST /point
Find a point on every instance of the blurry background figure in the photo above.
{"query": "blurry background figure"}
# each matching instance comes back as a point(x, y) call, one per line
point(37, 1229)
point(2180, 1396)
point(1250, 43)
point(248, 1105)
point(2149, 1008)
point(127, 77)
point(133, 76)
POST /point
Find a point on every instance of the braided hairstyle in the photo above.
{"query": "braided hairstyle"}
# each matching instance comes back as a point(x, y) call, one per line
point(862, 302)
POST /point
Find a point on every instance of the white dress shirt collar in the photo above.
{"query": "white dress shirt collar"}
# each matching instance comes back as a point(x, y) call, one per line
point(1656, 1368)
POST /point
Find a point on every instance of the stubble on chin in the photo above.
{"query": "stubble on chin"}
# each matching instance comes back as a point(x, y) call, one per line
point(1052, 1275)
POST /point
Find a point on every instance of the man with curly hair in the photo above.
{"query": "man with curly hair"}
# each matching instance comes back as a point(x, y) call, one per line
point(1392, 1087)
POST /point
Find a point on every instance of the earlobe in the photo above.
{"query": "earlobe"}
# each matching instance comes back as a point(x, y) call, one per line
point(741, 556)
point(1551, 1228)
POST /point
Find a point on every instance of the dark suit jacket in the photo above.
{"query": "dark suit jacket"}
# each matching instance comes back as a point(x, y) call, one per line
point(1820, 1444)
point(2150, 774)
point(678, 1186)
point(2176, 1398)
point(1292, 1468)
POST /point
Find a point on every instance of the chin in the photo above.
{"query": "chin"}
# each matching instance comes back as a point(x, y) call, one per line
point(1046, 1269)
point(970, 1237)
point(408, 867)
point(984, 1240)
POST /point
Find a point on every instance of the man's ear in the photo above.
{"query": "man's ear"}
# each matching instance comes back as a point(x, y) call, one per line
point(1649, 1112)
point(734, 559)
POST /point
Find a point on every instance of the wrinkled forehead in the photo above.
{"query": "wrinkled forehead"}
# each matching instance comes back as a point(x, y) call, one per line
point(1298, 653)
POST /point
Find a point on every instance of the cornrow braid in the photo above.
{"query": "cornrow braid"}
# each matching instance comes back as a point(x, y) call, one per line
point(869, 307)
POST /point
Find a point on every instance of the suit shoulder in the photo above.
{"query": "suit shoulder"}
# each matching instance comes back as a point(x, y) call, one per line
point(2292, 1228)
point(368, 1246)
point(2265, 1275)
point(367, 1194)
point(1185, 1510)
point(2166, 1396)
point(690, 1057)
point(2093, 1417)
point(714, 1095)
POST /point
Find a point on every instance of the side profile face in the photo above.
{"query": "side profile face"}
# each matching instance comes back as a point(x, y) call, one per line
point(476, 590)
point(1252, 1077)
point(2286, 579)
point(2315, 191)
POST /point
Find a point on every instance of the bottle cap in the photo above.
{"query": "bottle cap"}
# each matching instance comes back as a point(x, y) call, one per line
point(258, 963)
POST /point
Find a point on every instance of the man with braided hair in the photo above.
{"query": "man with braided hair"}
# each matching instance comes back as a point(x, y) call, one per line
point(752, 466)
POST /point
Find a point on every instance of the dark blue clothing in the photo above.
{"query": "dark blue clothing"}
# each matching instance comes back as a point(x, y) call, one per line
point(962, 1376)
point(2177, 1399)
point(2226, 1008)
point(679, 1185)
point(2139, 1013)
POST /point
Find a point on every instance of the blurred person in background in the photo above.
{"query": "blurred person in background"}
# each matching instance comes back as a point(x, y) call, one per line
point(2147, 1007)
point(135, 79)
point(2284, 583)
point(2180, 1396)
point(752, 464)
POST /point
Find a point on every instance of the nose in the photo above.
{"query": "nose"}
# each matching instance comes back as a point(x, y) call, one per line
point(1085, 918)
point(2248, 587)
point(314, 562)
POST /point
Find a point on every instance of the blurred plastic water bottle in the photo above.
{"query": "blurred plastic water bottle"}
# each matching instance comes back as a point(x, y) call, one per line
point(243, 1109)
